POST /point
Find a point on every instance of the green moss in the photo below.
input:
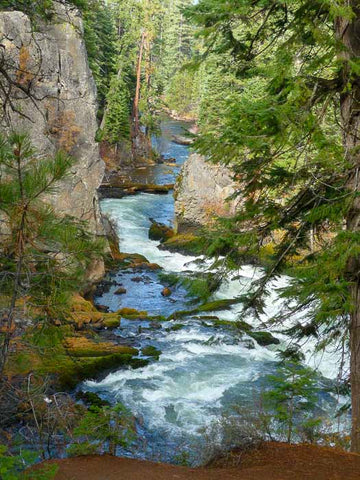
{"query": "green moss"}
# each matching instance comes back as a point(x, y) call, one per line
point(264, 338)
point(92, 399)
point(138, 316)
point(111, 321)
point(68, 358)
point(185, 243)
point(176, 327)
point(160, 232)
point(151, 351)
point(94, 352)
point(138, 362)
point(217, 305)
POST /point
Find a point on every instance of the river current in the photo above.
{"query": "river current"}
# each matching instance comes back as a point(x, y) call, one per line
point(202, 371)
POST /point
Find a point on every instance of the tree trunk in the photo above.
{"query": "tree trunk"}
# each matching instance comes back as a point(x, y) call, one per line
point(136, 127)
point(348, 32)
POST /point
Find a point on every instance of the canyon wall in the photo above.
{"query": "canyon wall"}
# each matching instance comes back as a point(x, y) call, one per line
point(47, 90)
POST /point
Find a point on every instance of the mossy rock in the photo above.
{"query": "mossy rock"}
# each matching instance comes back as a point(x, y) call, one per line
point(264, 338)
point(151, 351)
point(160, 232)
point(217, 305)
point(84, 347)
point(214, 306)
point(65, 356)
point(111, 321)
point(128, 260)
point(92, 399)
point(128, 311)
point(185, 243)
point(176, 327)
point(83, 313)
point(133, 314)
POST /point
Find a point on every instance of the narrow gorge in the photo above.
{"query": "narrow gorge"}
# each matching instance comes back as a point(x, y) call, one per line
point(178, 240)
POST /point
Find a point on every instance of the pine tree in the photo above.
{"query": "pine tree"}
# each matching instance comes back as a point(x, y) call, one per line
point(43, 257)
point(117, 121)
point(290, 131)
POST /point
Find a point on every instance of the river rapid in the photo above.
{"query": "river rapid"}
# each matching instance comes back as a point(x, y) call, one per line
point(202, 371)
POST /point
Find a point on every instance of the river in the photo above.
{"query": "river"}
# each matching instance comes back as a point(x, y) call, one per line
point(202, 371)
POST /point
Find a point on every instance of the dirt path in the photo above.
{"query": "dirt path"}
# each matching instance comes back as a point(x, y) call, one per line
point(271, 462)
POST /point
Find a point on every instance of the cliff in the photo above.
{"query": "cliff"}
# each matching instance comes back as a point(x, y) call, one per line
point(47, 90)
point(202, 193)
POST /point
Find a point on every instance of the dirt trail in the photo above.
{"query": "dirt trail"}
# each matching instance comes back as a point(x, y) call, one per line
point(273, 461)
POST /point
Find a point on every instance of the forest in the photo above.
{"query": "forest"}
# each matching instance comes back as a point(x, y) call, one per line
point(179, 239)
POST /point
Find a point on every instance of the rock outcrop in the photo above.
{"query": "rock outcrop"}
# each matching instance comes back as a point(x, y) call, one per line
point(202, 193)
point(47, 90)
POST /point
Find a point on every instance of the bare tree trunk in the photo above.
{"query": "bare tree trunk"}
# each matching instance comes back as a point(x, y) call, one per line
point(136, 127)
point(348, 32)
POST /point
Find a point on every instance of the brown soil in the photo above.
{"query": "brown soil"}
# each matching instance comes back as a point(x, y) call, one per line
point(272, 461)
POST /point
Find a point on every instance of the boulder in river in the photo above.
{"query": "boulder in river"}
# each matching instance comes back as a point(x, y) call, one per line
point(166, 292)
point(159, 231)
point(202, 193)
point(120, 291)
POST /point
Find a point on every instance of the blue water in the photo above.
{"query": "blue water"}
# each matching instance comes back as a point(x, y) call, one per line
point(203, 371)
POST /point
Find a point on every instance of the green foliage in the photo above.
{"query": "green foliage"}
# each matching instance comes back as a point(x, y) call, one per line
point(181, 92)
point(100, 39)
point(151, 351)
point(117, 122)
point(43, 256)
point(291, 400)
point(270, 103)
point(12, 467)
point(42, 8)
point(104, 428)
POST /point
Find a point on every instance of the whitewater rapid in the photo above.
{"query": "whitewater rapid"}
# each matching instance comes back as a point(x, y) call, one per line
point(202, 371)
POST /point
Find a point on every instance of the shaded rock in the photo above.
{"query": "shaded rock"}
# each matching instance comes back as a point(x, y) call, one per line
point(182, 140)
point(137, 279)
point(148, 266)
point(151, 351)
point(187, 244)
point(159, 231)
point(176, 327)
point(264, 338)
point(102, 308)
point(91, 399)
point(155, 326)
point(120, 291)
point(248, 343)
point(119, 190)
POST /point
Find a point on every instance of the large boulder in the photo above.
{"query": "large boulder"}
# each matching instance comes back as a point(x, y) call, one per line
point(53, 98)
point(202, 193)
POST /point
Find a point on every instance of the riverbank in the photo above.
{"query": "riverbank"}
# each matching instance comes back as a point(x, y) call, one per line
point(272, 461)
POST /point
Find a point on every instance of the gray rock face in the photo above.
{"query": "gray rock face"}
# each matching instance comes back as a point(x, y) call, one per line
point(52, 96)
point(201, 193)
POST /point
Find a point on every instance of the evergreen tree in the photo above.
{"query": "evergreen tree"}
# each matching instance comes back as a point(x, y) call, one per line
point(43, 257)
point(290, 130)
point(291, 399)
point(117, 120)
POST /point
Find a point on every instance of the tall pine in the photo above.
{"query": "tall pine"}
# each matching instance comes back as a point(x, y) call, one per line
point(290, 130)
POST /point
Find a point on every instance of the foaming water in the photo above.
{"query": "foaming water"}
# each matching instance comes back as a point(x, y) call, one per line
point(202, 371)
